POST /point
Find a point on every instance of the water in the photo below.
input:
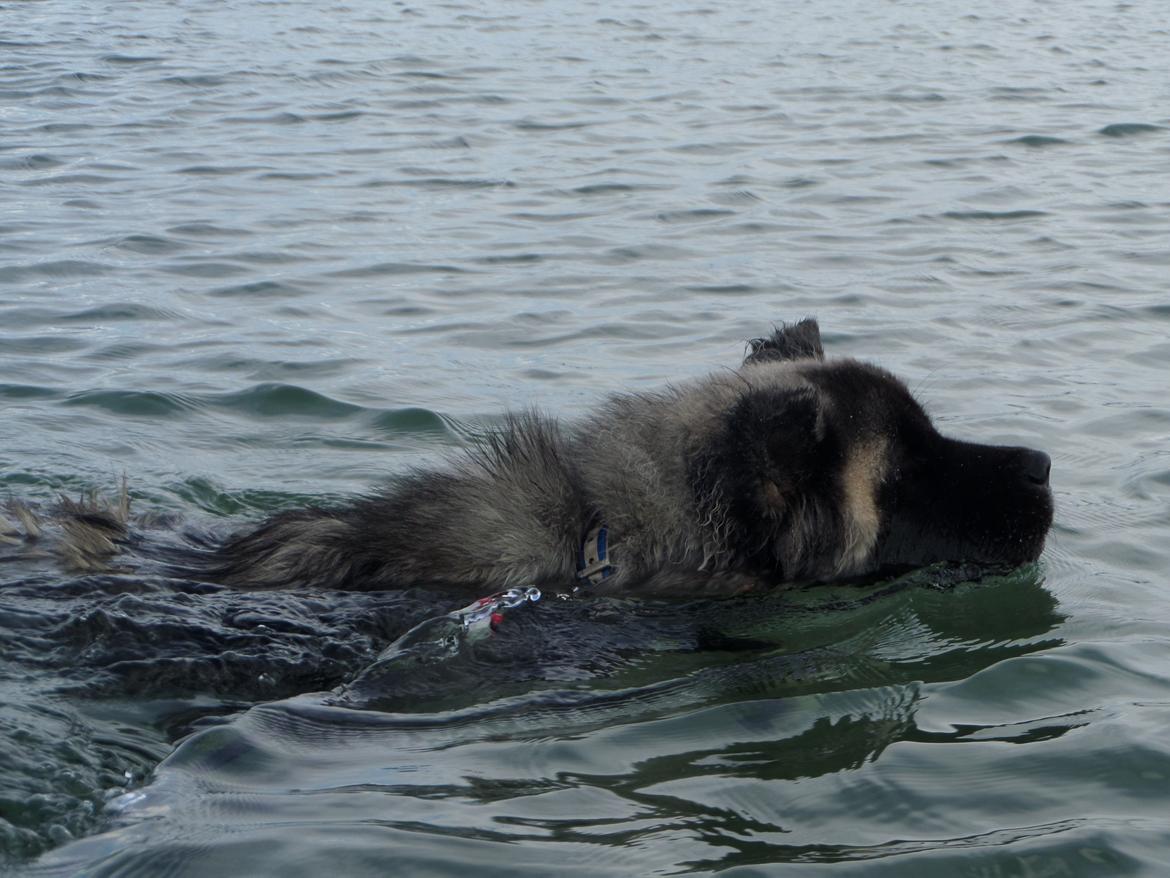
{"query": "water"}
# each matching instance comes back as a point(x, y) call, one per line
point(257, 254)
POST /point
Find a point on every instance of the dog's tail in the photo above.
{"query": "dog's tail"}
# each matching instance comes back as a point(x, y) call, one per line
point(84, 534)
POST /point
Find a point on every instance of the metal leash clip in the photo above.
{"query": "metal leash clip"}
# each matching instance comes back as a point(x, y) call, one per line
point(489, 611)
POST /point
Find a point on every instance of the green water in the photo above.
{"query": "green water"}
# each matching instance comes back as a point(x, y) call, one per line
point(257, 256)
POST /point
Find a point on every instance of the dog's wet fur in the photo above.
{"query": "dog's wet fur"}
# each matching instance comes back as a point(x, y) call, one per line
point(792, 468)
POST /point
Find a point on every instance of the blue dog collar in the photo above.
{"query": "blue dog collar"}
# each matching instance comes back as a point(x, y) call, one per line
point(593, 564)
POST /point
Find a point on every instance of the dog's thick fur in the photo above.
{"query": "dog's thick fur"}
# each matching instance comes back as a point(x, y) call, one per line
point(791, 468)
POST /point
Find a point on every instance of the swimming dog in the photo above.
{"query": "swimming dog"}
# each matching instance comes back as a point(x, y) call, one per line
point(791, 468)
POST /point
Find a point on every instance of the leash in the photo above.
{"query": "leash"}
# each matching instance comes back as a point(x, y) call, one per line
point(442, 637)
point(487, 613)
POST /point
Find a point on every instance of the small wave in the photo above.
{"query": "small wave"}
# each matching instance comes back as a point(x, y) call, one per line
point(531, 125)
point(126, 350)
point(149, 244)
point(283, 400)
point(205, 495)
point(696, 215)
point(510, 259)
point(993, 215)
point(263, 289)
point(282, 118)
point(31, 162)
point(120, 311)
point(429, 74)
point(85, 76)
point(339, 116)
point(27, 391)
point(131, 59)
point(723, 289)
point(439, 183)
point(218, 170)
point(719, 148)
point(63, 127)
point(411, 420)
point(641, 331)
point(623, 255)
point(488, 99)
point(294, 176)
point(39, 345)
point(751, 228)
point(928, 97)
point(392, 268)
point(133, 403)
point(204, 268)
point(202, 80)
point(1038, 141)
point(550, 217)
point(207, 230)
point(617, 188)
point(737, 196)
point(60, 268)
point(456, 142)
point(71, 180)
point(55, 91)
point(1129, 129)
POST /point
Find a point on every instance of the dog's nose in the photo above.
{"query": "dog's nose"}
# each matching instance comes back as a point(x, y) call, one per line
point(1036, 466)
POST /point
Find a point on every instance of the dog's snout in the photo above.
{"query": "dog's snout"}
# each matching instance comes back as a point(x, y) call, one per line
point(1036, 467)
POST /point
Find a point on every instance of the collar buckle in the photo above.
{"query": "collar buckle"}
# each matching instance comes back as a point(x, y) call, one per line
point(593, 563)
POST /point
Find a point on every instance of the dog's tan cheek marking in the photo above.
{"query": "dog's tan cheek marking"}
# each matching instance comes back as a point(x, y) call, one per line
point(864, 470)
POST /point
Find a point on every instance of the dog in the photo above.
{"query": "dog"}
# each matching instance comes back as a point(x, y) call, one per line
point(790, 469)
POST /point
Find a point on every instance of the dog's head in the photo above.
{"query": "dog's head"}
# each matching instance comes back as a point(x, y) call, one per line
point(830, 468)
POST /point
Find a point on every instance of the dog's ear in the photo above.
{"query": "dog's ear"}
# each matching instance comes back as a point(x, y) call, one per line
point(768, 452)
point(775, 434)
point(800, 341)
